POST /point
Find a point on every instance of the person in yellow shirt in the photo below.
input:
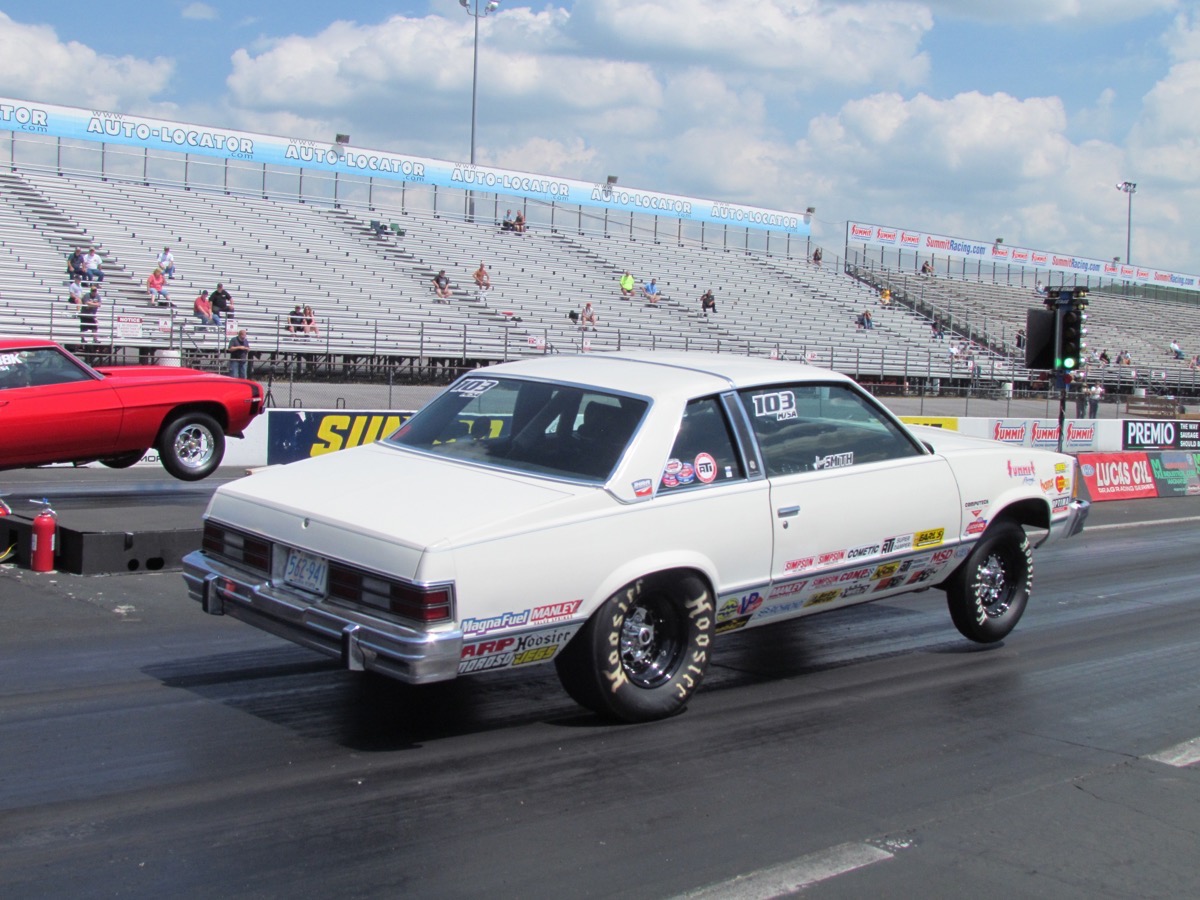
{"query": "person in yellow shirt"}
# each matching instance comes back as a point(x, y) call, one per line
point(626, 286)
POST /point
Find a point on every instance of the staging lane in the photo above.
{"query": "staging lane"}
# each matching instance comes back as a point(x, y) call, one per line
point(150, 749)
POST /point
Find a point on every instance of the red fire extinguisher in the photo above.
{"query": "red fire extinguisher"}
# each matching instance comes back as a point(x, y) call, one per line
point(45, 528)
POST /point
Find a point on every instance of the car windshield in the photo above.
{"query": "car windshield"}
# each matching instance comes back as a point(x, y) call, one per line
point(38, 366)
point(528, 426)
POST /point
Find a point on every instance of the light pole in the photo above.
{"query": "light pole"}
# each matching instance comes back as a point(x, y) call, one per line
point(1129, 188)
point(476, 9)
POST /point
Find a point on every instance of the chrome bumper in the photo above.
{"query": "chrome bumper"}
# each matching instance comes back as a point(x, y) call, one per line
point(1069, 525)
point(361, 641)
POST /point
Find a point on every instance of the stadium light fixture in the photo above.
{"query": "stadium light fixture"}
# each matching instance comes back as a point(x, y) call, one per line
point(477, 10)
point(1129, 188)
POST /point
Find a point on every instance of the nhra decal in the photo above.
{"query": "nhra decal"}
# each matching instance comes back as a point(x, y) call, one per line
point(778, 406)
point(931, 537)
point(833, 461)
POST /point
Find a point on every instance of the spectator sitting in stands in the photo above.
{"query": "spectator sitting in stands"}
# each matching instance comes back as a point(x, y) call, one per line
point(310, 322)
point(483, 281)
point(708, 303)
point(166, 262)
point(156, 288)
point(202, 309)
point(75, 294)
point(927, 268)
point(651, 292)
point(91, 264)
point(76, 264)
point(866, 320)
point(1177, 350)
point(859, 322)
point(626, 286)
point(939, 332)
point(295, 323)
point(222, 303)
point(507, 224)
point(1124, 359)
point(519, 223)
point(574, 317)
point(1104, 357)
point(1040, 289)
point(588, 316)
point(441, 285)
point(885, 296)
point(817, 257)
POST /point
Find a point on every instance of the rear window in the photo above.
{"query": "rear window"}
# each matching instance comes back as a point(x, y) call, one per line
point(527, 426)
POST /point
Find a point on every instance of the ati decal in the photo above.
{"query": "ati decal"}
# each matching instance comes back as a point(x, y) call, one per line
point(706, 468)
point(833, 461)
point(896, 544)
point(929, 538)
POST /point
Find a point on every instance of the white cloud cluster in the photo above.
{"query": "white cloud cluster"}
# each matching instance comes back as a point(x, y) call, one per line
point(783, 103)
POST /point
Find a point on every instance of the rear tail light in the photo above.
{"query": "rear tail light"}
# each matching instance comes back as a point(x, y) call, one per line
point(237, 547)
point(426, 605)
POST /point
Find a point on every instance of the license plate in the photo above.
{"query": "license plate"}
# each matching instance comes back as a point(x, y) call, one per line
point(307, 572)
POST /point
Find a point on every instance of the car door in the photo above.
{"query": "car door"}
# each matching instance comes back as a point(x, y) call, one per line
point(859, 507)
point(52, 409)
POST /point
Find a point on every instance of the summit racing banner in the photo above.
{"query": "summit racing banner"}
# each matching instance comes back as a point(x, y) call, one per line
point(294, 434)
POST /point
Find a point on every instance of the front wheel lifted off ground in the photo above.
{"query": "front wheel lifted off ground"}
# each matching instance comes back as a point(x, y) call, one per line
point(191, 446)
point(644, 652)
point(988, 592)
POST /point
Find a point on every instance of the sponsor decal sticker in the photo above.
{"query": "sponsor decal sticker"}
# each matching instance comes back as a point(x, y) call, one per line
point(731, 625)
point(823, 597)
point(785, 590)
point(897, 543)
point(831, 557)
point(495, 623)
point(833, 461)
point(706, 468)
point(798, 565)
point(555, 612)
point(886, 570)
point(1021, 470)
point(643, 487)
point(686, 473)
point(977, 526)
point(931, 537)
point(866, 551)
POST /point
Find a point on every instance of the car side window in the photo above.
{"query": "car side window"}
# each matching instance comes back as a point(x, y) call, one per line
point(37, 367)
point(812, 427)
point(704, 451)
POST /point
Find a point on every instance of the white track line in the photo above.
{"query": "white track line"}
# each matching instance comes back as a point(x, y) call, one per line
point(1115, 525)
point(1181, 755)
point(785, 879)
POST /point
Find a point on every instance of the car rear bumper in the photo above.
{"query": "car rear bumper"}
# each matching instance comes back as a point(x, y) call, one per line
point(360, 641)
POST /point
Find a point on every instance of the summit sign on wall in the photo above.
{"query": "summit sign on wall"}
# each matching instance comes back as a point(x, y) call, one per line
point(21, 116)
point(944, 246)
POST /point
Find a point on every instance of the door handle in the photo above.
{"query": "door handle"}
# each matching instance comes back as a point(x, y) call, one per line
point(786, 512)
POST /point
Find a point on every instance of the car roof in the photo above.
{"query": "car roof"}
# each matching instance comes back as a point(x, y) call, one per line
point(659, 373)
point(15, 343)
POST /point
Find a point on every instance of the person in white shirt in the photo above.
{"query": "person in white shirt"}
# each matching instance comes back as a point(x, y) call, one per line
point(166, 262)
point(75, 294)
point(92, 262)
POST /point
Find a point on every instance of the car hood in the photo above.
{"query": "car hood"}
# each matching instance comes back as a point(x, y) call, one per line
point(153, 373)
point(382, 507)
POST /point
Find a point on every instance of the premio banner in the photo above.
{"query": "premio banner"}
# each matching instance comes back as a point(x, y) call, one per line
point(989, 251)
point(161, 134)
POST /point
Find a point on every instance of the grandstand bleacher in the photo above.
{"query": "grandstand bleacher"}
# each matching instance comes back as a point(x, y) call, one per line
point(367, 273)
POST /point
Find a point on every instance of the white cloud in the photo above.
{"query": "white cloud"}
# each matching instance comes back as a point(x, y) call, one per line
point(200, 12)
point(1052, 11)
point(34, 63)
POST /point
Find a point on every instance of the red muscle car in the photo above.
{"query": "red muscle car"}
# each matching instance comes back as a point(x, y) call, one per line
point(54, 408)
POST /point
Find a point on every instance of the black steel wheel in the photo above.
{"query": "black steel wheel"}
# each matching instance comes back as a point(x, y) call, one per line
point(989, 591)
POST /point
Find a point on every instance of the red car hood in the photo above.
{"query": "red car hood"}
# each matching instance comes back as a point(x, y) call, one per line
point(151, 373)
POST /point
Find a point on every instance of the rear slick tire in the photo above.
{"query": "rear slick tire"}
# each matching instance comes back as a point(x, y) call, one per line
point(989, 591)
point(644, 652)
point(191, 446)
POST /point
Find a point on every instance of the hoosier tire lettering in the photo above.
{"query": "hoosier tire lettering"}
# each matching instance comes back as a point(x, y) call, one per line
point(988, 593)
point(645, 651)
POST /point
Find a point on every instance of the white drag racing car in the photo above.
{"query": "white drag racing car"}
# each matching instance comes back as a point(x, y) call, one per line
point(614, 513)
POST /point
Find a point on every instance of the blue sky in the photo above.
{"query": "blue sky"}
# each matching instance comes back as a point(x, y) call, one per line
point(963, 117)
